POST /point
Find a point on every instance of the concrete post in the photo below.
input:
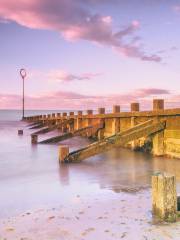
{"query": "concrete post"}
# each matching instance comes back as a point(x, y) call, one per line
point(101, 134)
point(101, 110)
point(79, 120)
point(71, 124)
point(64, 114)
point(64, 126)
point(116, 121)
point(89, 120)
point(63, 153)
point(20, 132)
point(89, 112)
point(136, 143)
point(158, 144)
point(158, 139)
point(34, 138)
point(58, 120)
point(158, 104)
point(116, 109)
point(101, 120)
point(164, 197)
point(134, 107)
point(80, 113)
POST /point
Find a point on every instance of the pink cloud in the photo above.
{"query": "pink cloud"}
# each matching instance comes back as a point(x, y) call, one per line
point(176, 8)
point(75, 20)
point(64, 76)
point(72, 100)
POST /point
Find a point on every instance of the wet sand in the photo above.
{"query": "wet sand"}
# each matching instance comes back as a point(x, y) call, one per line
point(106, 197)
point(119, 216)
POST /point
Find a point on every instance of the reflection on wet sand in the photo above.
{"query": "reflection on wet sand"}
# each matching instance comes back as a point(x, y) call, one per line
point(44, 200)
point(36, 168)
point(122, 170)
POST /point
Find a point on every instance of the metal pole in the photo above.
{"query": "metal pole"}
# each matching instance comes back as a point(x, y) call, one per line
point(23, 75)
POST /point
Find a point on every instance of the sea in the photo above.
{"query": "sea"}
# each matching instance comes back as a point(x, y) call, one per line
point(31, 176)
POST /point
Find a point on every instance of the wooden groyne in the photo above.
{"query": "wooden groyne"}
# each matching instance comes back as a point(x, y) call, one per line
point(158, 128)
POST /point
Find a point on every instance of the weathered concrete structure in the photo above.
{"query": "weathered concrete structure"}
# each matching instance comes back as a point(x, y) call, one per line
point(164, 197)
point(165, 141)
point(34, 138)
point(20, 132)
point(63, 153)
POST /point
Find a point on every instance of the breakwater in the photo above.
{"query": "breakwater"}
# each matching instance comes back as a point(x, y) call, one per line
point(157, 131)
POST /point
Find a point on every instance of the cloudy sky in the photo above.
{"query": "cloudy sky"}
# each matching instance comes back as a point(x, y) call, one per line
point(83, 54)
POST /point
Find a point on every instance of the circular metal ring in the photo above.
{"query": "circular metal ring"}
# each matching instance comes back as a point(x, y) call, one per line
point(23, 73)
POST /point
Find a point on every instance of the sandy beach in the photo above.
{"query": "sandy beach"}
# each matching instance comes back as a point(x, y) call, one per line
point(104, 216)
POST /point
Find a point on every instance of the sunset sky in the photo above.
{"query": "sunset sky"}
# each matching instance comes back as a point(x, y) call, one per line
point(83, 54)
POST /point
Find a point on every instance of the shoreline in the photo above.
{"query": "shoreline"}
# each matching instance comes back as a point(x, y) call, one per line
point(123, 216)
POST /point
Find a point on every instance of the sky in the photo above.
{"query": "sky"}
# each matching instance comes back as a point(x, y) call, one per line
point(82, 54)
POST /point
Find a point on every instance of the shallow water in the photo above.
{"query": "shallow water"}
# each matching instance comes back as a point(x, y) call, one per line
point(31, 177)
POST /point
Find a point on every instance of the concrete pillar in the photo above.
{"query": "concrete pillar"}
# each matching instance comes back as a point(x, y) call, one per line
point(158, 104)
point(63, 153)
point(158, 144)
point(164, 197)
point(34, 138)
point(116, 109)
point(64, 128)
point(20, 132)
point(101, 110)
point(116, 121)
point(64, 114)
point(89, 120)
point(71, 127)
point(136, 143)
point(89, 112)
point(101, 134)
point(79, 120)
point(101, 120)
point(58, 118)
point(71, 124)
point(135, 107)
point(80, 113)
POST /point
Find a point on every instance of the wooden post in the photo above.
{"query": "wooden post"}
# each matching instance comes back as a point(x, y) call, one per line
point(164, 197)
point(63, 152)
point(34, 138)
point(20, 132)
